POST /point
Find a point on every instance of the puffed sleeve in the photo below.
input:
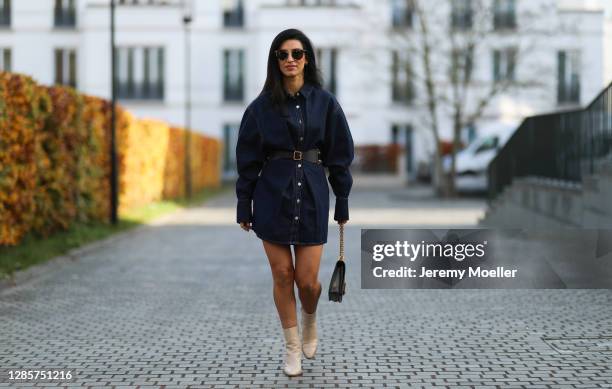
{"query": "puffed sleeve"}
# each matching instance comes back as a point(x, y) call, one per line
point(249, 161)
point(338, 153)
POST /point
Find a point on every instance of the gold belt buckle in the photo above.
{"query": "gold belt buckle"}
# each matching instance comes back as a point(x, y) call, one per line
point(297, 152)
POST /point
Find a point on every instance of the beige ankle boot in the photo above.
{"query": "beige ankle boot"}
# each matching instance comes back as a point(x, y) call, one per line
point(309, 334)
point(293, 355)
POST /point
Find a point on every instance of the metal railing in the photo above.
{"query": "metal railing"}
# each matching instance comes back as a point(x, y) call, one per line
point(5, 13)
point(234, 17)
point(233, 92)
point(504, 20)
point(565, 145)
point(141, 90)
point(64, 17)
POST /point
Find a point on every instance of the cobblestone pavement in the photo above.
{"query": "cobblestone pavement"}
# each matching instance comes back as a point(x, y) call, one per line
point(187, 303)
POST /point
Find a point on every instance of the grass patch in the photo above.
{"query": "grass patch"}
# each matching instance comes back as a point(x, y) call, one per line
point(33, 250)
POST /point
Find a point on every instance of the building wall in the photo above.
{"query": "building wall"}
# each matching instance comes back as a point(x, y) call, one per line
point(360, 30)
point(607, 42)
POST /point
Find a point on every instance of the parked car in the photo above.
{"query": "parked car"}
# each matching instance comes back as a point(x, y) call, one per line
point(471, 163)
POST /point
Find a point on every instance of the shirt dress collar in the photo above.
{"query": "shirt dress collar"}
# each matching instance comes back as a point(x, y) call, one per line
point(304, 90)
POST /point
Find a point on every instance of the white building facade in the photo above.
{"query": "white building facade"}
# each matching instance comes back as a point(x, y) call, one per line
point(361, 50)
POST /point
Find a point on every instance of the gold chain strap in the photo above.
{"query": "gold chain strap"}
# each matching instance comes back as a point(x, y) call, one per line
point(341, 242)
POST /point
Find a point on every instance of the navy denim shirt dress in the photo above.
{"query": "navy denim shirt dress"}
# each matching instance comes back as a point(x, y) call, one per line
point(287, 200)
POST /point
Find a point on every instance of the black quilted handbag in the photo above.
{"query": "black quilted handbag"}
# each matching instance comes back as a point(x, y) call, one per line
point(337, 285)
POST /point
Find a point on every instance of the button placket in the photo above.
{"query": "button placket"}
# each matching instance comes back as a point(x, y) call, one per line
point(296, 106)
point(296, 215)
point(300, 118)
point(299, 178)
point(299, 171)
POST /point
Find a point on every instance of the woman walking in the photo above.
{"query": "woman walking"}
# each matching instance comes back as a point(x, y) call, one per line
point(289, 135)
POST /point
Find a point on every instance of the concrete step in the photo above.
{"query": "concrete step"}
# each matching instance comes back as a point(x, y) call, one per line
point(545, 202)
point(603, 167)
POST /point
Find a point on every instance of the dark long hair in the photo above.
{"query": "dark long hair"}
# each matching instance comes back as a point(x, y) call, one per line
point(274, 79)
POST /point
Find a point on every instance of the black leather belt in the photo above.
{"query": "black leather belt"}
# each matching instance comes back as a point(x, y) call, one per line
point(312, 155)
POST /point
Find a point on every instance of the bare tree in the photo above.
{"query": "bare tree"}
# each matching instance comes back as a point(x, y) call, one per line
point(449, 38)
point(461, 95)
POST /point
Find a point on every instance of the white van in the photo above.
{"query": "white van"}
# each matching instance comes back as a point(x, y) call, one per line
point(471, 163)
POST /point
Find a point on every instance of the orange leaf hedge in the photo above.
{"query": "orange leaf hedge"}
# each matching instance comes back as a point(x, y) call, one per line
point(55, 159)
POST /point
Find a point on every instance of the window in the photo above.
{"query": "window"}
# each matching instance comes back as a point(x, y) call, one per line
point(5, 59)
point(468, 133)
point(65, 13)
point(462, 65)
point(233, 75)
point(147, 2)
point(461, 14)
point(402, 13)
point(402, 135)
point(312, 3)
point(504, 14)
point(65, 67)
point(568, 76)
point(326, 59)
point(140, 72)
point(504, 62)
point(403, 85)
point(233, 13)
point(488, 143)
point(230, 139)
point(5, 12)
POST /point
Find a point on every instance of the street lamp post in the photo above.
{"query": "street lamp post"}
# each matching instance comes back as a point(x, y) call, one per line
point(113, 147)
point(187, 18)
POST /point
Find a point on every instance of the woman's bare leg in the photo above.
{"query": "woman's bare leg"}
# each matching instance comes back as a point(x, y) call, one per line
point(281, 264)
point(307, 262)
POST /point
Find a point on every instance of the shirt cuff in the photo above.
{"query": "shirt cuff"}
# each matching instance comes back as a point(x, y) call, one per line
point(342, 212)
point(243, 211)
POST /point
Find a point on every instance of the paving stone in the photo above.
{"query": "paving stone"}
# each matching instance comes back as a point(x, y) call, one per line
point(188, 303)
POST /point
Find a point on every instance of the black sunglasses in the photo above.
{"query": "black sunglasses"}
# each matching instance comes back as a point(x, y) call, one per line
point(284, 54)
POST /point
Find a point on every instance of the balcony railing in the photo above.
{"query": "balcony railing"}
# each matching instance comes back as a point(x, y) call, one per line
point(65, 17)
point(140, 91)
point(5, 16)
point(233, 93)
point(504, 20)
point(564, 145)
point(150, 2)
point(569, 92)
point(402, 17)
point(403, 93)
point(461, 20)
point(233, 18)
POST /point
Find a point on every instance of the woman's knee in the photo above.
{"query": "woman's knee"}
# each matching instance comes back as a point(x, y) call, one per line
point(283, 277)
point(281, 263)
point(308, 285)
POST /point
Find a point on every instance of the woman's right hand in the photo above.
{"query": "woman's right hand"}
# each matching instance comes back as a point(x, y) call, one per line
point(245, 226)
